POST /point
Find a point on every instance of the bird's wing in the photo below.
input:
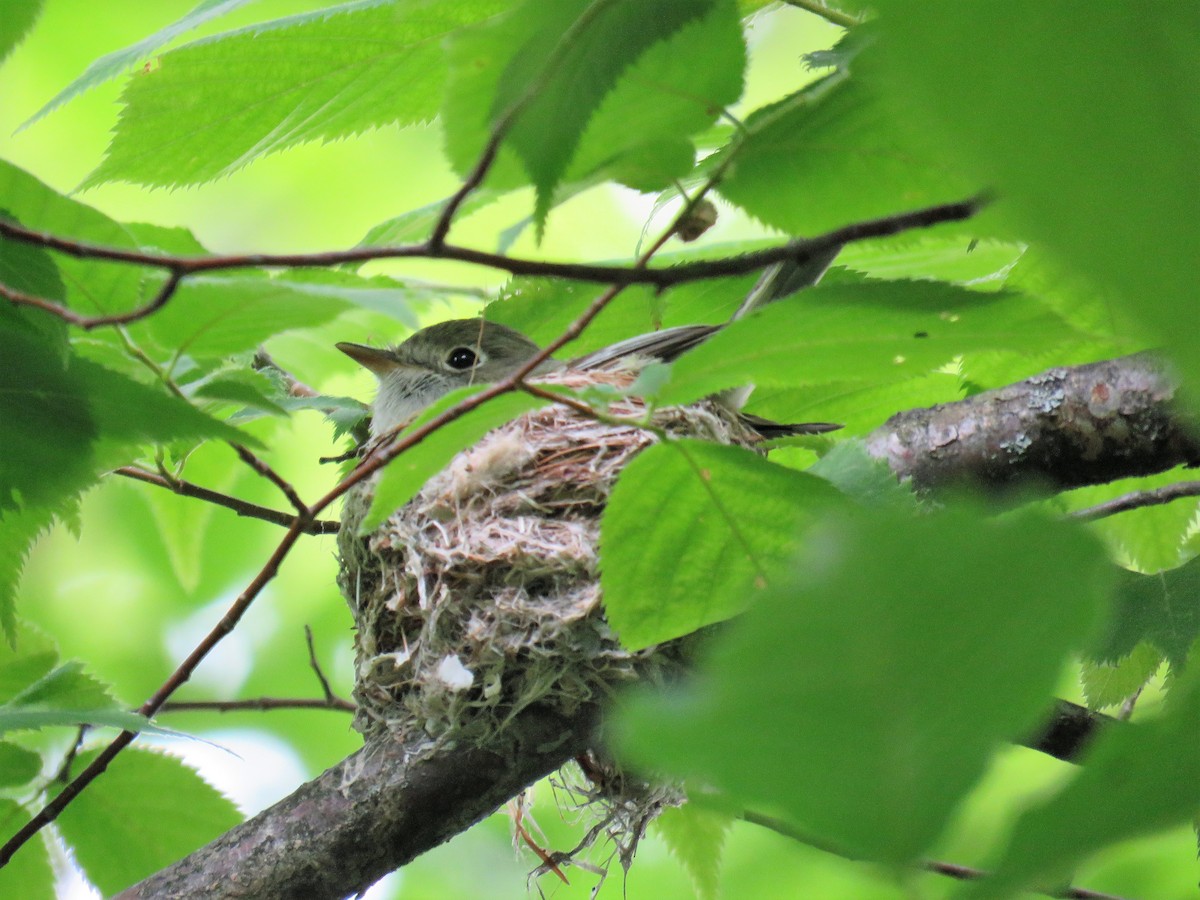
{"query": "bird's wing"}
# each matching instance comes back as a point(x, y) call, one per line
point(663, 345)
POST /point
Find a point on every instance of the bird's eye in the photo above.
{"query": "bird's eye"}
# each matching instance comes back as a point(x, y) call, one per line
point(461, 358)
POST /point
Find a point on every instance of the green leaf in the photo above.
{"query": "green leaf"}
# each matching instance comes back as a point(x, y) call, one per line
point(33, 718)
point(19, 529)
point(870, 481)
point(219, 315)
point(859, 406)
point(877, 332)
point(1027, 98)
point(322, 75)
point(28, 874)
point(244, 387)
point(147, 811)
point(113, 64)
point(93, 286)
point(1109, 683)
point(830, 154)
point(1163, 609)
point(695, 836)
point(407, 473)
point(877, 681)
point(552, 63)
point(65, 687)
point(130, 413)
point(18, 766)
point(417, 224)
point(1137, 779)
point(18, 18)
point(639, 135)
point(46, 426)
point(693, 532)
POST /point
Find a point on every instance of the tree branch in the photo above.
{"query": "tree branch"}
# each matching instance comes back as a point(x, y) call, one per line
point(378, 809)
point(1065, 428)
point(800, 251)
point(1139, 499)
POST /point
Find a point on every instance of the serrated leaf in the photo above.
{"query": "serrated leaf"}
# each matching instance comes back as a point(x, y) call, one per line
point(323, 75)
point(28, 873)
point(1109, 683)
point(64, 687)
point(148, 810)
point(696, 837)
point(829, 154)
point(878, 678)
point(113, 64)
point(244, 387)
point(1137, 780)
point(557, 62)
point(879, 332)
point(33, 718)
point(18, 766)
point(93, 286)
point(18, 18)
point(1162, 609)
point(967, 80)
point(732, 521)
point(641, 133)
point(407, 474)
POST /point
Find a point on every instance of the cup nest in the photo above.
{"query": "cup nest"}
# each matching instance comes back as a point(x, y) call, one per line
point(481, 595)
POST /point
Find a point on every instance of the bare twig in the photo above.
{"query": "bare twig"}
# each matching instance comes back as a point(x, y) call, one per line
point(316, 667)
point(241, 507)
point(1138, 499)
point(262, 468)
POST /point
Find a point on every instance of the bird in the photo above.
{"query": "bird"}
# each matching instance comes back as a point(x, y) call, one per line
point(460, 352)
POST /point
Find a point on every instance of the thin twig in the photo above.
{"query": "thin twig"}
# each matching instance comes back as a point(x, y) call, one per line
point(316, 667)
point(258, 704)
point(799, 251)
point(951, 870)
point(241, 507)
point(817, 8)
point(262, 468)
point(1138, 499)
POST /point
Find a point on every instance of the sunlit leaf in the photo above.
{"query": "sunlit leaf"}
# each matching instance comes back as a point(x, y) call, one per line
point(113, 64)
point(556, 62)
point(322, 75)
point(696, 837)
point(694, 532)
point(28, 874)
point(147, 811)
point(832, 154)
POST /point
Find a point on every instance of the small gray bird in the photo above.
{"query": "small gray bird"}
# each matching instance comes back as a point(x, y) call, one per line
point(460, 352)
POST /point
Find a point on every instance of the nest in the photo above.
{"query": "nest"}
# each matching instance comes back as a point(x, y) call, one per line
point(481, 595)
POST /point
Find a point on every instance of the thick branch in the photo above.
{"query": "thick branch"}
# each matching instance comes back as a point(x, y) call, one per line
point(1066, 427)
point(378, 809)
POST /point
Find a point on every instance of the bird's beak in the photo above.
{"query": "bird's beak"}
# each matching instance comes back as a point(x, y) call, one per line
point(379, 361)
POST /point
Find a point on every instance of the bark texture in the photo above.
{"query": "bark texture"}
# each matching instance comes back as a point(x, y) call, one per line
point(373, 812)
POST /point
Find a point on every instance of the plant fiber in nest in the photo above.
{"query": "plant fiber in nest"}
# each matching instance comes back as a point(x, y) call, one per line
point(481, 595)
